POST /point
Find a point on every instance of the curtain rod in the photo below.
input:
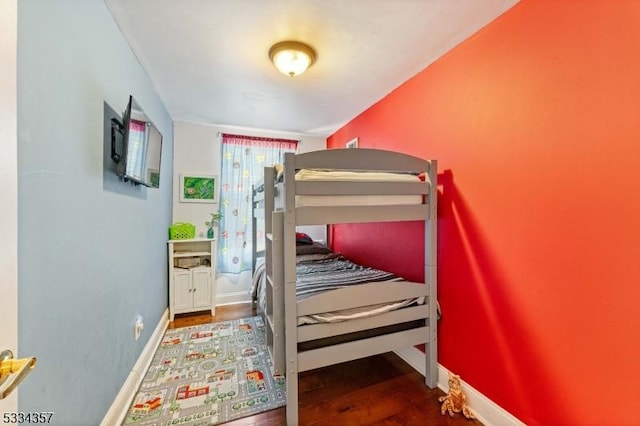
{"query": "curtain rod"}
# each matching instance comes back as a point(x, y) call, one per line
point(264, 137)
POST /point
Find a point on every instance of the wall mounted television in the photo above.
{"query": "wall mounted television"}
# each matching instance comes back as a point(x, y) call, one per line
point(138, 159)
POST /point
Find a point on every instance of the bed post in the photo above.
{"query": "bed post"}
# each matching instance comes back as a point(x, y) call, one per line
point(290, 305)
point(266, 207)
point(431, 277)
point(254, 231)
point(269, 194)
point(277, 295)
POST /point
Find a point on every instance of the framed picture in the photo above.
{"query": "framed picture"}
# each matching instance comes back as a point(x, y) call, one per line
point(353, 143)
point(196, 188)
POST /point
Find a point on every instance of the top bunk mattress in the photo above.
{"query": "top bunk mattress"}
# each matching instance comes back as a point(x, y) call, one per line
point(357, 200)
point(317, 175)
point(354, 176)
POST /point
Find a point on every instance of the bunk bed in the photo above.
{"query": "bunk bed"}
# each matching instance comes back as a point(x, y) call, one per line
point(333, 187)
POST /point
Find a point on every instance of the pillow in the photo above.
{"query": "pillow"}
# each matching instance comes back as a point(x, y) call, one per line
point(314, 248)
point(302, 238)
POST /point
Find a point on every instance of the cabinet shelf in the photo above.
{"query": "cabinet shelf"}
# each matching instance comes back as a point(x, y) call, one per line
point(191, 253)
point(192, 240)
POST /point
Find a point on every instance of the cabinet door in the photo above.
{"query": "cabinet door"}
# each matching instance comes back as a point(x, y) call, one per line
point(201, 279)
point(182, 293)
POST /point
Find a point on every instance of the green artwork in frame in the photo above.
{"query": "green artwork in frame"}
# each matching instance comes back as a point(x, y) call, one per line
point(154, 178)
point(195, 188)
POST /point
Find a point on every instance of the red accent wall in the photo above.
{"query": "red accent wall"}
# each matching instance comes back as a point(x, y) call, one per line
point(535, 121)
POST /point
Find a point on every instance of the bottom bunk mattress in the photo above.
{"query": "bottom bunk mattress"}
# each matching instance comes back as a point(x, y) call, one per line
point(318, 270)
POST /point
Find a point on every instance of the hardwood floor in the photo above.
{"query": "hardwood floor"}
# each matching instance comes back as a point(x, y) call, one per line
point(378, 390)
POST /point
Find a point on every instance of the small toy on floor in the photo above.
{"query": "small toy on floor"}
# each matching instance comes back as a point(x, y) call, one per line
point(455, 401)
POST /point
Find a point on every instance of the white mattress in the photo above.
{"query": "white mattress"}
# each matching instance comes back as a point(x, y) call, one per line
point(349, 176)
point(355, 200)
point(362, 312)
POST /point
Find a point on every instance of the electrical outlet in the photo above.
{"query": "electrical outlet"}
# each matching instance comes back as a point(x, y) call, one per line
point(137, 328)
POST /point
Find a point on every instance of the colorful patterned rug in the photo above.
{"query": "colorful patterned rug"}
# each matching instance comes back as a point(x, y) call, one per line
point(208, 374)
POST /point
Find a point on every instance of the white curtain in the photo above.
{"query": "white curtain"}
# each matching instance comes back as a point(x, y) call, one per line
point(243, 162)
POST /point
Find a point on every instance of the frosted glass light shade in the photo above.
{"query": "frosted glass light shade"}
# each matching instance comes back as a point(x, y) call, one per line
point(292, 57)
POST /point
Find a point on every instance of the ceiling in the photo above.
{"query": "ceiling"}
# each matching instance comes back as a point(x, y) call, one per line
point(208, 59)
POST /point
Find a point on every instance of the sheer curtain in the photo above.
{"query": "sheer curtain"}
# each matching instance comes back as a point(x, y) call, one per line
point(243, 162)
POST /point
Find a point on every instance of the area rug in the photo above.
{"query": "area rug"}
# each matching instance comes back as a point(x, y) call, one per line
point(208, 374)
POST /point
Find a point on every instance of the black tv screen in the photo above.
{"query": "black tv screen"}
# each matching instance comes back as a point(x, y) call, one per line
point(142, 145)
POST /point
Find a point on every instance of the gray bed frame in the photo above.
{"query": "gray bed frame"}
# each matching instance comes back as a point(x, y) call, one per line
point(276, 204)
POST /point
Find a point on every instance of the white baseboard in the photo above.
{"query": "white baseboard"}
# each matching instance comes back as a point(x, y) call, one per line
point(485, 410)
point(118, 410)
point(234, 298)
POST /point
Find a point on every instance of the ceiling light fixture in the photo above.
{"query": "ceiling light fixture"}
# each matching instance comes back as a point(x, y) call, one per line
point(292, 57)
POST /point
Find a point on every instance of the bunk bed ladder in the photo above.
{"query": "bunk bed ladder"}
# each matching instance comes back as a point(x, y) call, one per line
point(275, 295)
point(254, 228)
point(290, 301)
point(274, 310)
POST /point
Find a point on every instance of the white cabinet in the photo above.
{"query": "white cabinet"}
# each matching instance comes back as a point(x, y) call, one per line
point(192, 265)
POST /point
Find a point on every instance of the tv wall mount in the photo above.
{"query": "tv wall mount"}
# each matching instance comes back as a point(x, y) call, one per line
point(116, 127)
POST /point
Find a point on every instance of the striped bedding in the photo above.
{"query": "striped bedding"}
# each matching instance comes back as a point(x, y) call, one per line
point(318, 273)
point(322, 272)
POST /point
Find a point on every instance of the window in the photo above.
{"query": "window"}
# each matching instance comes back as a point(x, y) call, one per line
point(243, 162)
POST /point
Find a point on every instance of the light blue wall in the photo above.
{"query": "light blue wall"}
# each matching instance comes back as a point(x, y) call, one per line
point(90, 259)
